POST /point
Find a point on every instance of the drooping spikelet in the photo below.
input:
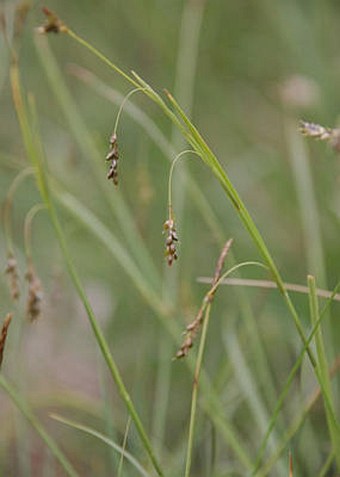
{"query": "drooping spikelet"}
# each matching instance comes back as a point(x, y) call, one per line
point(12, 273)
point(170, 241)
point(3, 335)
point(316, 131)
point(113, 156)
point(35, 295)
point(53, 23)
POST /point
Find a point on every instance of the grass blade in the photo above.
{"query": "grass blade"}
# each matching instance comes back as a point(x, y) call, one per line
point(49, 441)
point(92, 432)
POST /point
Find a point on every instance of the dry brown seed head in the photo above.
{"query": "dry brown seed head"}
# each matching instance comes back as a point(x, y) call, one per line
point(35, 295)
point(3, 335)
point(113, 154)
point(12, 272)
point(113, 139)
point(53, 24)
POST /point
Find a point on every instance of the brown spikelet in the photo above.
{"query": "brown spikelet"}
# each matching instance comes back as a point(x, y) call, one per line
point(12, 273)
point(193, 328)
point(3, 335)
point(171, 240)
point(35, 295)
point(316, 131)
point(113, 156)
point(53, 23)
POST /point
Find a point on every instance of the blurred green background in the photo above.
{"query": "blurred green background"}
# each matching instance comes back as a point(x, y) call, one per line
point(246, 72)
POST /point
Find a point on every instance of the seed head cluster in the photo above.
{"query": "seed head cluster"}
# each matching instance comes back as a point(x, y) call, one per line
point(194, 327)
point(331, 135)
point(171, 241)
point(113, 156)
point(12, 272)
point(53, 23)
point(35, 295)
point(3, 335)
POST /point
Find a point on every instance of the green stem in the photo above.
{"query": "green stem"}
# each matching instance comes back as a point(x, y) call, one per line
point(195, 391)
point(28, 228)
point(121, 107)
point(322, 370)
point(17, 181)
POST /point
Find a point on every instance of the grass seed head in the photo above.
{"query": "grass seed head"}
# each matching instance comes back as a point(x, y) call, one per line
point(35, 295)
point(53, 23)
point(113, 156)
point(316, 131)
point(170, 241)
point(3, 335)
point(12, 272)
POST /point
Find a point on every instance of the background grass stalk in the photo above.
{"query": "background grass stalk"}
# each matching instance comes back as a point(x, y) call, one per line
point(323, 371)
point(49, 441)
point(295, 425)
point(286, 388)
point(195, 391)
point(92, 432)
point(34, 151)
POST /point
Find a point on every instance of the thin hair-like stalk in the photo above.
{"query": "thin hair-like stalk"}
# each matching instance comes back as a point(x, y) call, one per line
point(173, 164)
point(28, 228)
point(17, 181)
point(121, 107)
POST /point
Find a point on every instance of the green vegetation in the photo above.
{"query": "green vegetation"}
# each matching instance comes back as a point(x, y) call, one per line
point(87, 188)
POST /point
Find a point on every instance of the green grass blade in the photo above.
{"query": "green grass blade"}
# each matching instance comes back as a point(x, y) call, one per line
point(323, 372)
point(49, 441)
point(92, 432)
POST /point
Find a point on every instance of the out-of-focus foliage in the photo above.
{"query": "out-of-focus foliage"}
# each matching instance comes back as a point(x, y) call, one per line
point(261, 66)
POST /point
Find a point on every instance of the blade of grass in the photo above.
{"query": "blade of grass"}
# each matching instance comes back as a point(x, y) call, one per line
point(249, 388)
point(324, 379)
point(34, 151)
point(92, 432)
point(295, 425)
point(286, 387)
point(49, 441)
point(195, 391)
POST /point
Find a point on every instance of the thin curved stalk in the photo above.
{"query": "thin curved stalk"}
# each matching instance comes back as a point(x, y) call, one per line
point(92, 432)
